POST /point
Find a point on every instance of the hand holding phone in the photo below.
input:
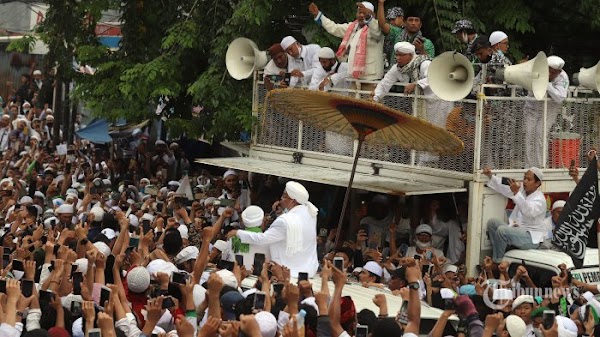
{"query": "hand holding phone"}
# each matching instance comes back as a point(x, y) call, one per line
point(548, 317)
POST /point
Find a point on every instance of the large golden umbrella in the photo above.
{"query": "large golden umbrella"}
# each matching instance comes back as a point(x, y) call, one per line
point(364, 120)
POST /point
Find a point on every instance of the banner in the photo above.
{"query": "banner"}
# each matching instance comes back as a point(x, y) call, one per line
point(579, 216)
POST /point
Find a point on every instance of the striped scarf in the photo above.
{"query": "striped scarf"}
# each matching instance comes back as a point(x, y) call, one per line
point(360, 56)
point(413, 67)
point(238, 246)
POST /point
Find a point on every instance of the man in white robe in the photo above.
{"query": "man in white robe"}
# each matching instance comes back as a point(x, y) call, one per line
point(292, 237)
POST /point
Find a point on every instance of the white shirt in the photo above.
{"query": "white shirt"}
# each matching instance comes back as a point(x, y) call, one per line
point(272, 69)
point(338, 78)
point(557, 92)
point(307, 62)
point(529, 212)
point(394, 75)
point(275, 238)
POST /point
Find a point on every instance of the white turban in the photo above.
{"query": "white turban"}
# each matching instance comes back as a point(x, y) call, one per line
point(404, 48)
point(497, 36)
point(326, 53)
point(556, 62)
point(566, 327)
point(368, 5)
point(297, 192)
point(294, 241)
point(229, 173)
point(537, 172)
point(287, 42)
point(253, 216)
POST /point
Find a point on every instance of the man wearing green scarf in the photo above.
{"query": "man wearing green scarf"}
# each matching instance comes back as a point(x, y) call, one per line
point(252, 218)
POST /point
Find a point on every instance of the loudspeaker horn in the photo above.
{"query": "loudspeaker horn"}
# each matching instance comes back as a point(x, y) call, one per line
point(532, 75)
point(243, 57)
point(588, 77)
point(451, 76)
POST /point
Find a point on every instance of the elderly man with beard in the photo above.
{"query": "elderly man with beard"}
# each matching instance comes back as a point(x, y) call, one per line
point(292, 237)
point(362, 42)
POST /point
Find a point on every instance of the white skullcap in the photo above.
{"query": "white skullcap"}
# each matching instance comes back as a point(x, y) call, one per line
point(297, 192)
point(404, 48)
point(147, 216)
point(66, 300)
point(287, 42)
point(64, 209)
point(209, 201)
point(312, 302)
point(160, 142)
point(537, 172)
point(183, 230)
point(133, 220)
point(26, 103)
point(50, 117)
point(368, 5)
point(26, 200)
point(374, 268)
point(39, 194)
point(326, 53)
point(220, 245)
point(82, 265)
point(174, 183)
point(521, 300)
point(229, 173)
point(199, 295)
point(47, 222)
point(515, 325)
point(145, 180)
point(57, 203)
point(424, 228)
point(556, 62)
point(267, 323)
point(228, 278)
point(450, 268)
point(138, 279)
point(497, 36)
point(558, 204)
point(71, 196)
point(186, 254)
point(253, 216)
point(37, 72)
point(109, 233)
point(102, 248)
point(162, 266)
point(106, 182)
point(566, 327)
point(97, 213)
point(249, 292)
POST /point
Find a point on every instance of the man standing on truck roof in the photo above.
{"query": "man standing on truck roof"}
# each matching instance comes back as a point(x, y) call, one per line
point(526, 228)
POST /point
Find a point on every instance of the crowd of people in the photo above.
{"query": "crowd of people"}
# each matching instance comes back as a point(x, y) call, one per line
point(139, 243)
point(96, 245)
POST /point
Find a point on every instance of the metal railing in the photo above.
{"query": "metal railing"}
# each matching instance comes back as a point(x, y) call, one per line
point(497, 131)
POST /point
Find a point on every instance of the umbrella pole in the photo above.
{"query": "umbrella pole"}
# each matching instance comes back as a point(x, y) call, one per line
point(361, 138)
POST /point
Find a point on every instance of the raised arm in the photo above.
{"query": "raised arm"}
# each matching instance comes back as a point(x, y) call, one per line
point(383, 25)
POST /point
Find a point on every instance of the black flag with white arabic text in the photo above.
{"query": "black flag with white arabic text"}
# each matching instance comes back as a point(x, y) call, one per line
point(579, 216)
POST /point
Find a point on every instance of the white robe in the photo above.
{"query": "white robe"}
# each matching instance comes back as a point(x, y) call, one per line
point(533, 118)
point(307, 62)
point(276, 239)
point(530, 210)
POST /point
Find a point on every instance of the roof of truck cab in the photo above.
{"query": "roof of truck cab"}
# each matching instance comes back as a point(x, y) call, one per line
point(363, 298)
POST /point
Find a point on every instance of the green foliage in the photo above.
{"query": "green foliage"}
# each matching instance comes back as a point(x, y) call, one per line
point(22, 45)
point(177, 48)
